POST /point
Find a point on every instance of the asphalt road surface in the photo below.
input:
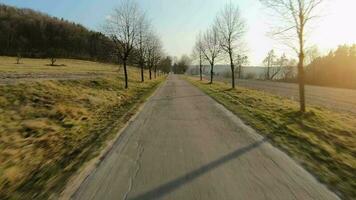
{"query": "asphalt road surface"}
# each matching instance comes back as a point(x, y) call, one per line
point(183, 145)
point(337, 99)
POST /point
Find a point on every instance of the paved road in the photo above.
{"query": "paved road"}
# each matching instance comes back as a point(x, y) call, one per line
point(337, 99)
point(183, 145)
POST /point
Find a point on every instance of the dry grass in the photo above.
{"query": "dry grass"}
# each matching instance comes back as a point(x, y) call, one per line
point(49, 128)
point(323, 141)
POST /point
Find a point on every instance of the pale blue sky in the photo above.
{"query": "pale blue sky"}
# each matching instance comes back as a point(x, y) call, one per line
point(179, 21)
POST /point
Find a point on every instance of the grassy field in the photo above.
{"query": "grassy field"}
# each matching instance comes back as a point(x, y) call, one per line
point(49, 128)
point(324, 142)
point(67, 66)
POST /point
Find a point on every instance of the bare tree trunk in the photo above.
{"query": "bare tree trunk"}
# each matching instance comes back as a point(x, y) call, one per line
point(301, 87)
point(301, 81)
point(155, 71)
point(233, 76)
point(301, 66)
point(268, 68)
point(18, 58)
point(232, 71)
point(240, 71)
point(142, 74)
point(201, 73)
point(211, 73)
point(125, 72)
point(275, 73)
point(150, 72)
point(200, 69)
point(53, 60)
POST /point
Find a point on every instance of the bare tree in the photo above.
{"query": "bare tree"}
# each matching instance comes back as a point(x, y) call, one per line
point(52, 54)
point(123, 29)
point(157, 57)
point(143, 37)
point(198, 54)
point(269, 61)
point(241, 60)
point(288, 71)
point(211, 49)
point(231, 27)
point(274, 65)
point(53, 61)
point(18, 58)
point(280, 64)
point(295, 16)
point(154, 53)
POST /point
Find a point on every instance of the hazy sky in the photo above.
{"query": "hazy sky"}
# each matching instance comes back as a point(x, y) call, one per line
point(179, 21)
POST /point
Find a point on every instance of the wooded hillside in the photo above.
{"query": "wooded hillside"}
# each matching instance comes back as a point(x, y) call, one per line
point(34, 34)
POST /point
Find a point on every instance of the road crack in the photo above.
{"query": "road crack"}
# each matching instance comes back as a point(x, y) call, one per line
point(138, 168)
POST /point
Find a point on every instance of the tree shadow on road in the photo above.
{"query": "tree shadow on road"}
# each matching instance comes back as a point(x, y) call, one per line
point(173, 185)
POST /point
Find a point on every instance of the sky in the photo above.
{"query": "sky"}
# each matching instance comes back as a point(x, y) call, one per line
point(179, 21)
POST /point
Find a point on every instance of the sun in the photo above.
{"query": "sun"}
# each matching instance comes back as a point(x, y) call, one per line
point(334, 26)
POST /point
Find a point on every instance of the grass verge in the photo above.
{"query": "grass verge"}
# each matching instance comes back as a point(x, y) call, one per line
point(48, 129)
point(324, 142)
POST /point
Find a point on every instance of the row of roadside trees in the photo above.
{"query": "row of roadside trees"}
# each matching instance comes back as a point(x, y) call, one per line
point(134, 37)
point(224, 39)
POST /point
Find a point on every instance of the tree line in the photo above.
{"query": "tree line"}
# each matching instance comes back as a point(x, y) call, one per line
point(134, 38)
point(181, 65)
point(337, 69)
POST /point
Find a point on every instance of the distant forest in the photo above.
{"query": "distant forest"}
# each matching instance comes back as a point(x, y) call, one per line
point(33, 34)
point(337, 69)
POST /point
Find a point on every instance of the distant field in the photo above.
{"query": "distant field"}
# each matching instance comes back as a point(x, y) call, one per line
point(49, 128)
point(337, 99)
point(38, 69)
point(322, 140)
